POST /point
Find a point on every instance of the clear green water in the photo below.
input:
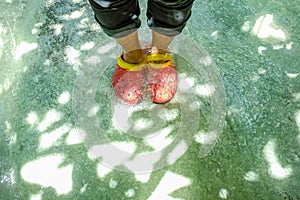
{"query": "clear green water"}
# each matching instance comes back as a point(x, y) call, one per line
point(43, 48)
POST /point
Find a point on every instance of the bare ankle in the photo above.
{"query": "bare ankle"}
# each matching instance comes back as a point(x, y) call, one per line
point(134, 57)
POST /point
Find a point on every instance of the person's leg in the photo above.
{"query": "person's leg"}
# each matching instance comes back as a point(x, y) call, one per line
point(132, 48)
point(167, 19)
point(160, 41)
point(119, 19)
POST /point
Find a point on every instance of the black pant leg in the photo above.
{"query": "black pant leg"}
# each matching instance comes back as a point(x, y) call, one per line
point(168, 17)
point(117, 18)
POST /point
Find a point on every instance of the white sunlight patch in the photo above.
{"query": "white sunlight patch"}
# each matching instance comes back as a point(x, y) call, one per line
point(6, 85)
point(48, 139)
point(110, 151)
point(143, 178)
point(277, 47)
point(292, 75)
point(246, 26)
point(103, 170)
point(8, 178)
point(23, 48)
point(94, 60)
point(36, 197)
point(112, 154)
point(93, 111)
point(223, 193)
point(251, 176)
point(112, 183)
point(8, 126)
point(72, 56)
point(83, 189)
point(297, 115)
point(261, 49)
point(206, 138)
point(51, 117)
point(31, 118)
point(265, 28)
point(49, 3)
point(261, 70)
point(83, 24)
point(297, 97)
point(87, 46)
point(143, 162)
point(207, 60)
point(47, 172)
point(214, 34)
point(76, 136)
point(74, 15)
point(159, 140)
point(64, 98)
point(205, 90)
point(168, 184)
point(57, 28)
point(177, 152)
point(289, 45)
point(130, 193)
point(168, 115)
point(106, 48)
point(47, 62)
point(142, 123)
point(120, 117)
point(186, 83)
point(276, 170)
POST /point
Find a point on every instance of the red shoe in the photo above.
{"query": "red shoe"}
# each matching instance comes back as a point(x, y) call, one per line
point(127, 81)
point(161, 77)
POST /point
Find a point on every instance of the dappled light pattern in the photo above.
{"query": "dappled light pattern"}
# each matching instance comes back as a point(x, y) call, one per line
point(46, 172)
point(24, 47)
point(223, 193)
point(169, 183)
point(49, 148)
point(275, 170)
point(265, 28)
point(161, 133)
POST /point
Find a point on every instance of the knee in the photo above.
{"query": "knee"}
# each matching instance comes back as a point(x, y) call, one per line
point(116, 16)
point(168, 17)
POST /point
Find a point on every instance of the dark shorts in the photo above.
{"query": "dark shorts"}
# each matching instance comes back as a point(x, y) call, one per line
point(119, 18)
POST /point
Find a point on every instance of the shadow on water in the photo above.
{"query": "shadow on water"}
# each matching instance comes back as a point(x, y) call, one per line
point(256, 157)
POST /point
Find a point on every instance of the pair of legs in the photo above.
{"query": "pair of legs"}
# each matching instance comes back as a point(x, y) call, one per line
point(120, 19)
point(132, 46)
